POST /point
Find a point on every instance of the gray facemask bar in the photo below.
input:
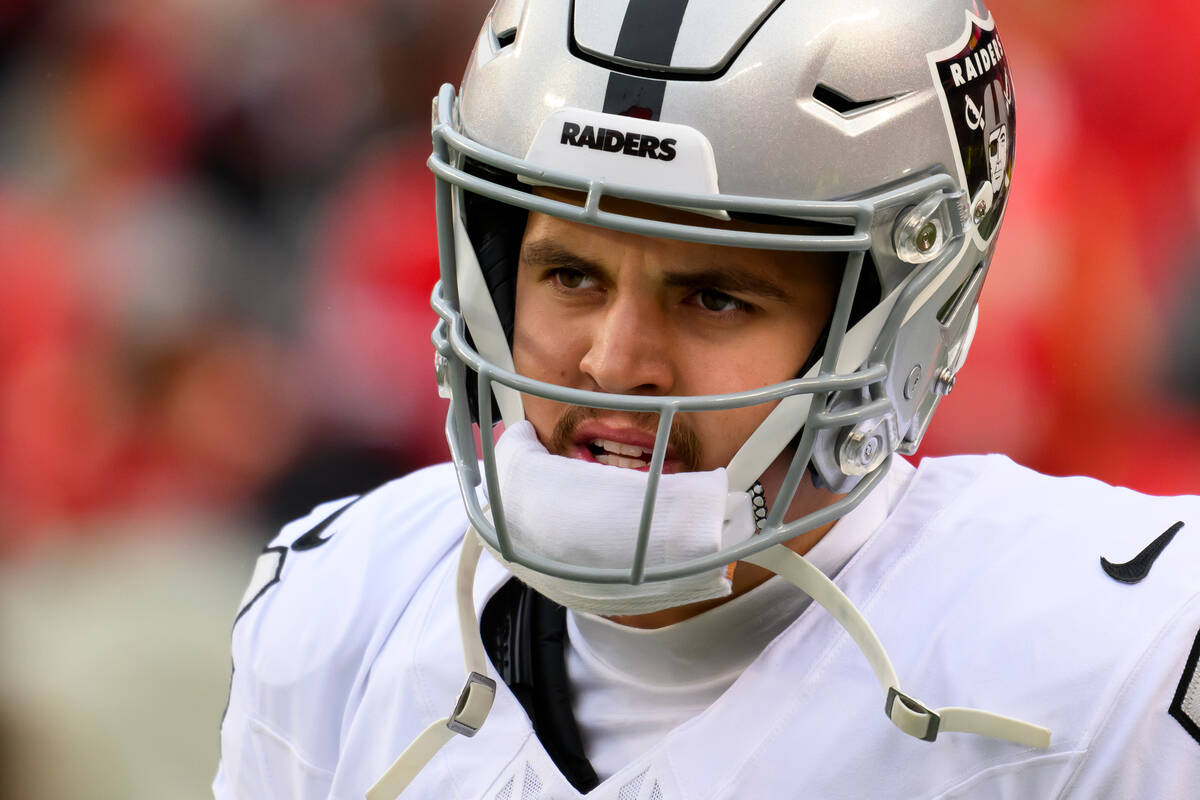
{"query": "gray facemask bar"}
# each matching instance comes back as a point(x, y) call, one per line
point(456, 356)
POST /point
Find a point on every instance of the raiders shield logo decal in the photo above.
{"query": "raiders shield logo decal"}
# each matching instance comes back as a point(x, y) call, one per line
point(976, 92)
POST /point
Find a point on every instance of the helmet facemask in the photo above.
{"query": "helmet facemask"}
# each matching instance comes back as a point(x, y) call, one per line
point(845, 411)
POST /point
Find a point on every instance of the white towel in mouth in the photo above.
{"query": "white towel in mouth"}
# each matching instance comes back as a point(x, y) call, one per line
point(587, 514)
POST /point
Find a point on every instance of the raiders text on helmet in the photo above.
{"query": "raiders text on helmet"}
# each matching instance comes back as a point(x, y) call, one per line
point(642, 145)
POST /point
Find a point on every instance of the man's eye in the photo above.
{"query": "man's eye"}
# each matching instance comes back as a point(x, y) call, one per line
point(570, 278)
point(713, 300)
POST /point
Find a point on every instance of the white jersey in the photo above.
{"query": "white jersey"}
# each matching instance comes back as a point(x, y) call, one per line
point(984, 584)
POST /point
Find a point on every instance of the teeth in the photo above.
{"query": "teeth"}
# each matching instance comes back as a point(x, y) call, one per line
point(620, 449)
point(620, 461)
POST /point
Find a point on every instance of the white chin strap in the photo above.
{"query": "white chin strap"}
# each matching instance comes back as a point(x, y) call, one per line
point(907, 714)
point(475, 700)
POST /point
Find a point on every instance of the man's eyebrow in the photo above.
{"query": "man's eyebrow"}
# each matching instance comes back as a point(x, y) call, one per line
point(729, 279)
point(542, 253)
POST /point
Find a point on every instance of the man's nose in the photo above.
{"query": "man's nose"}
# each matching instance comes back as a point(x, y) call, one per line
point(629, 352)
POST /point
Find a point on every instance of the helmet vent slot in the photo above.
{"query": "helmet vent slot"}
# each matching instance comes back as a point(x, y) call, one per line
point(505, 38)
point(843, 104)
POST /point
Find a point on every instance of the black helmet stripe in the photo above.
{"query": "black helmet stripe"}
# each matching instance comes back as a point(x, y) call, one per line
point(648, 35)
point(632, 96)
point(649, 31)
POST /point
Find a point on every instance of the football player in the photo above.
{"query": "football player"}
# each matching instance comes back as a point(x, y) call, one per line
point(707, 270)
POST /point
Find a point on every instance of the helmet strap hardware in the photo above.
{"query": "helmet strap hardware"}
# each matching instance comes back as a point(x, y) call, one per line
point(759, 503)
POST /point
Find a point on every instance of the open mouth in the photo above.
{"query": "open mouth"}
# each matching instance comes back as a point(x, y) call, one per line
point(614, 442)
point(615, 454)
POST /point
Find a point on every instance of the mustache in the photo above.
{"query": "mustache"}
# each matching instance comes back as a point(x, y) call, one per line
point(682, 441)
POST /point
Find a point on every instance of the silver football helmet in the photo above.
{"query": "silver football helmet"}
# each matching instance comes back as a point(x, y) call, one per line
point(875, 125)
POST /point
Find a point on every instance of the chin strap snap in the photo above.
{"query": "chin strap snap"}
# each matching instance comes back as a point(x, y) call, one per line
point(474, 702)
point(906, 713)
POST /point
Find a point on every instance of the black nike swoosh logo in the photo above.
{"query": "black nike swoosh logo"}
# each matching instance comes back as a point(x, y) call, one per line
point(1138, 567)
point(313, 539)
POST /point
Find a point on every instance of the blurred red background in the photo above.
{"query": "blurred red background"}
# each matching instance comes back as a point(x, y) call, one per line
point(216, 249)
point(217, 243)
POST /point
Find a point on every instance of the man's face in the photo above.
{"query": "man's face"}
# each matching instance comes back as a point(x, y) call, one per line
point(621, 313)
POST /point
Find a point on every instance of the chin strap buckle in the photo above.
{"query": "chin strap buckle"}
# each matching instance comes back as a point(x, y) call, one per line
point(911, 716)
point(474, 703)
